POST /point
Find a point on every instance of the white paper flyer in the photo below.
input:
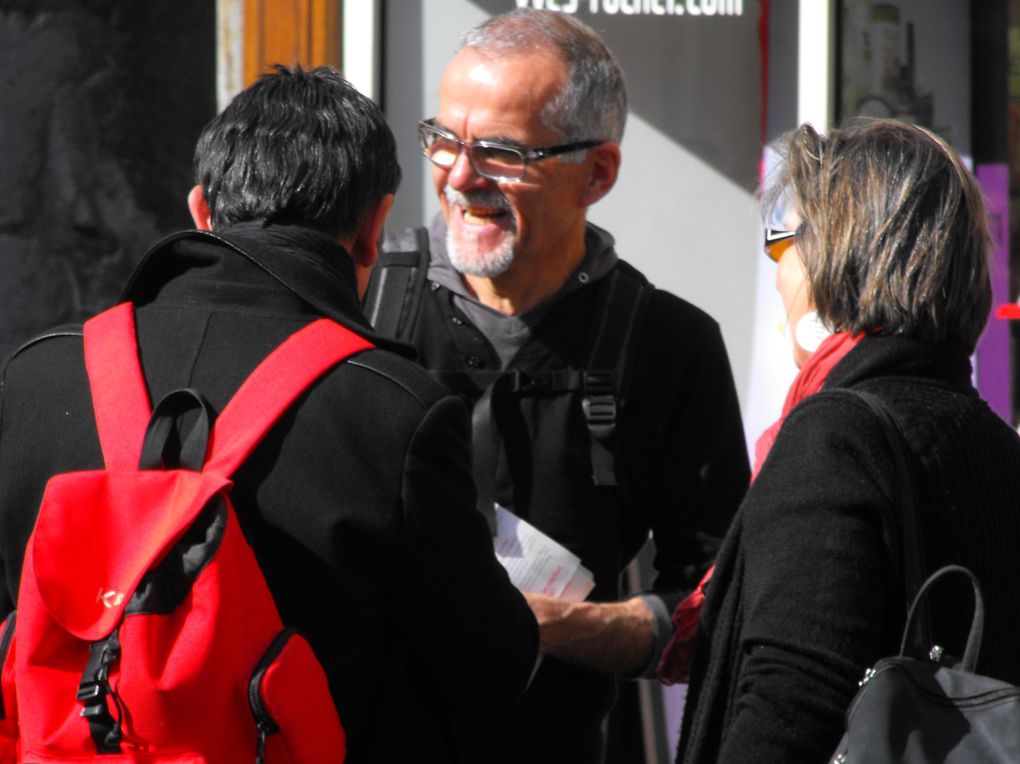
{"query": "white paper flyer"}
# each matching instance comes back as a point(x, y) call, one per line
point(538, 564)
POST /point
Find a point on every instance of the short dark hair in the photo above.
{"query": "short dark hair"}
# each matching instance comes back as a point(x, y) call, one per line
point(895, 235)
point(297, 146)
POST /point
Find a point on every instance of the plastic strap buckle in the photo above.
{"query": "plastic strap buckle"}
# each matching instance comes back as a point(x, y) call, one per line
point(599, 404)
point(93, 690)
point(599, 407)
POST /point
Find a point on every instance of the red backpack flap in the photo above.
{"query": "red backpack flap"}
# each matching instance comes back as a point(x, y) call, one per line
point(109, 528)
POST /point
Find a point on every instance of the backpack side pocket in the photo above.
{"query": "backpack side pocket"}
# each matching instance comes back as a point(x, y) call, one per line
point(292, 705)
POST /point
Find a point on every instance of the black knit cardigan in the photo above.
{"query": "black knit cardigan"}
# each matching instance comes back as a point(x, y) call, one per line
point(807, 591)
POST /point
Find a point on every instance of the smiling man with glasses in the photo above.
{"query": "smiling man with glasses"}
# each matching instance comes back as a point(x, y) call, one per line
point(603, 409)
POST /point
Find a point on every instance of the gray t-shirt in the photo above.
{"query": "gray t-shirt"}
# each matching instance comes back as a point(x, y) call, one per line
point(508, 334)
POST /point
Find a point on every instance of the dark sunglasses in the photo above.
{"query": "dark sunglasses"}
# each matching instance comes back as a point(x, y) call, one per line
point(777, 241)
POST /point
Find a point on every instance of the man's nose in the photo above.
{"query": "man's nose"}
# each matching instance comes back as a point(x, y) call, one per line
point(463, 174)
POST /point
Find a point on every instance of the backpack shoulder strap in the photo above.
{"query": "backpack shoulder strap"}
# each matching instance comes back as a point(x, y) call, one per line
point(620, 307)
point(274, 385)
point(120, 397)
point(398, 280)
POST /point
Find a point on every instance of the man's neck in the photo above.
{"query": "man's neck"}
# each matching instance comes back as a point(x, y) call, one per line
point(528, 283)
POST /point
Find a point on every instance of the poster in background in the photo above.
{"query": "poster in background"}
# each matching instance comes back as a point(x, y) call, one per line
point(908, 59)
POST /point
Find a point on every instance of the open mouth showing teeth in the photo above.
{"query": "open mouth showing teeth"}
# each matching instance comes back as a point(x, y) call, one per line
point(482, 216)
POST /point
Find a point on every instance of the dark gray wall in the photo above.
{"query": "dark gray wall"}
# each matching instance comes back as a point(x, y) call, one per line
point(102, 101)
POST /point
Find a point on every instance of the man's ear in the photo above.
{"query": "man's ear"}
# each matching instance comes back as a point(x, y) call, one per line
point(603, 168)
point(364, 246)
point(199, 209)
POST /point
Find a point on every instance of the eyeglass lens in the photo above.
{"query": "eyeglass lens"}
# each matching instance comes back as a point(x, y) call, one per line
point(777, 242)
point(489, 160)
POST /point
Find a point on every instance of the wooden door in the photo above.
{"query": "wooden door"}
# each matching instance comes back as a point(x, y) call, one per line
point(288, 32)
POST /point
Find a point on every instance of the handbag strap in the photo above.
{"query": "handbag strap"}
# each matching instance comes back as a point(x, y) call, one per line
point(911, 543)
point(977, 626)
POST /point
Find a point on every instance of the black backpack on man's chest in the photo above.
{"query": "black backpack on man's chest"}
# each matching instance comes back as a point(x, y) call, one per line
point(592, 375)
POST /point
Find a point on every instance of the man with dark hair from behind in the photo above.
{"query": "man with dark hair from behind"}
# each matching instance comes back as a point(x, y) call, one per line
point(359, 504)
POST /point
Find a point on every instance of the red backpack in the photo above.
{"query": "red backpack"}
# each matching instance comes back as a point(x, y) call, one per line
point(145, 629)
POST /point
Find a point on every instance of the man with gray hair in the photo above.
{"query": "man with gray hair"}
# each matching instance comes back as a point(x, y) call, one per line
point(603, 409)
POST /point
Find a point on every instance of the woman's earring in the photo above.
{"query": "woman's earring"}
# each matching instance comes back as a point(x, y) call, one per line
point(810, 332)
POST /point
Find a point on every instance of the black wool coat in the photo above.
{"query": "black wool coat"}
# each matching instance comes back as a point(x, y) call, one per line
point(359, 504)
point(808, 593)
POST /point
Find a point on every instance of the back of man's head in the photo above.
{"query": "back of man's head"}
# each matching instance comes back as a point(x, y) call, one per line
point(300, 147)
point(593, 102)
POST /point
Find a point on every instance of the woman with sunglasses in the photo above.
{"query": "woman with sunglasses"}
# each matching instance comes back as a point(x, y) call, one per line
point(888, 245)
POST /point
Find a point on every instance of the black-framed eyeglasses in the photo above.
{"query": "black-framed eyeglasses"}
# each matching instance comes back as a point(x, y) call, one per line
point(777, 241)
point(496, 161)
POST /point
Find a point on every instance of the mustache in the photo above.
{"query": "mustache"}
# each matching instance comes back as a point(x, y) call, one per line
point(488, 197)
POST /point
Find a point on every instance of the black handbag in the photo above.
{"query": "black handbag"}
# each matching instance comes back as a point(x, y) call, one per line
point(912, 710)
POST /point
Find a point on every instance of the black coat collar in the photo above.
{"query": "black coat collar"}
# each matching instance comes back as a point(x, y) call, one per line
point(315, 270)
point(888, 355)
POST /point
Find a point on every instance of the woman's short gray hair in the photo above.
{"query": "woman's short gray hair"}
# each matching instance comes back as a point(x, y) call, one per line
point(895, 235)
point(593, 103)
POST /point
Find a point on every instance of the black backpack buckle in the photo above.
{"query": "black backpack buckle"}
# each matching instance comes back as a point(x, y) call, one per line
point(599, 403)
point(94, 691)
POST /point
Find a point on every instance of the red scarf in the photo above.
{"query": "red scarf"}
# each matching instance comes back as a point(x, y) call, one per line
point(674, 665)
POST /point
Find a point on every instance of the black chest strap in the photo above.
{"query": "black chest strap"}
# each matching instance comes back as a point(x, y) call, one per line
point(501, 440)
point(392, 305)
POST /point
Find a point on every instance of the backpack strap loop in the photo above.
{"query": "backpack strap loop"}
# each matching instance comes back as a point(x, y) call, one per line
point(120, 397)
point(178, 432)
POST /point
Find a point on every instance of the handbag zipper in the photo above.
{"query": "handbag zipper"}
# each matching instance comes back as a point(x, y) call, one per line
point(893, 664)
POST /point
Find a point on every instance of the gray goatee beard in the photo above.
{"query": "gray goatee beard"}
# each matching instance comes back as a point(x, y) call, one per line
point(464, 251)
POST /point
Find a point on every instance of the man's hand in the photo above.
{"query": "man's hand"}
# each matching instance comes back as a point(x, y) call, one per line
point(613, 637)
